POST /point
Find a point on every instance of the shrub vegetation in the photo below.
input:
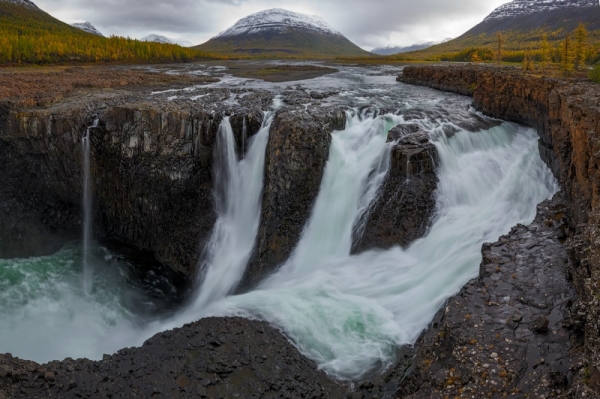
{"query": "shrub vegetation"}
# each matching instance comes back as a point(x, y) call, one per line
point(30, 36)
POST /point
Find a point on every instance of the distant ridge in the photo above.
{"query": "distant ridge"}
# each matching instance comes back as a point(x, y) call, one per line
point(163, 39)
point(391, 50)
point(280, 32)
point(519, 8)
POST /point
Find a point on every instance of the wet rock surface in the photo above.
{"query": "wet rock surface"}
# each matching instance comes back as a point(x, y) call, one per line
point(566, 114)
point(213, 358)
point(406, 204)
point(296, 156)
point(506, 334)
point(151, 166)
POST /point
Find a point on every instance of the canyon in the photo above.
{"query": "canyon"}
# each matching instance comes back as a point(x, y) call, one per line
point(153, 174)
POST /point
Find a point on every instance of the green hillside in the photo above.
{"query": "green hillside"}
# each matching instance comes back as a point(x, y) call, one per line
point(31, 36)
point(524, 32)
point(520, 35)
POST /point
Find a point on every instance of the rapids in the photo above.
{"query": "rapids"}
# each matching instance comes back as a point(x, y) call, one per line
point(346, 312)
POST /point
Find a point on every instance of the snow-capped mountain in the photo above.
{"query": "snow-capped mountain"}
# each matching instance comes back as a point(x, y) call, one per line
point(280, 32)
point(166, 40)
point(280, 20)
point(24, 3)
point(391, 49)
point(517, 8)
point(87, 27)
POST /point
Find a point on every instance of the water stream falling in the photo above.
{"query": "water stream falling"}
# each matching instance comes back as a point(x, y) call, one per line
point(349, 313)
point(88, 272)
point(346, 312)
point(244, 138)
point(238, 197)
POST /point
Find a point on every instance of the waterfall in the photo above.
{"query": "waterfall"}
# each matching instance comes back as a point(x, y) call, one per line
point(88, 273)
point(244, 138)
point(349, 313)
point(238, 197)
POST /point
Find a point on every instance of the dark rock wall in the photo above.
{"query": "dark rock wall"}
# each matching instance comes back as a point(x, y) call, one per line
point(406, 203)
point(223, 358)
point(566, 114)
point(40, 187)
point(152, 178)
point(296, 156)
point(505, 333)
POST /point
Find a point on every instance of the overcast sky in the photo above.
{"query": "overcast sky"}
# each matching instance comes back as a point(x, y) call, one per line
point(368, 23)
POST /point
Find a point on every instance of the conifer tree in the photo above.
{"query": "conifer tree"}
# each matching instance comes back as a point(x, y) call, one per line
point(581, 45)
point(545, 50)
point(567, 65)
point(499, 49)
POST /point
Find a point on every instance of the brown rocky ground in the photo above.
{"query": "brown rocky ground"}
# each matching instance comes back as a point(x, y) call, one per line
point(38, 87)
point(43, 86)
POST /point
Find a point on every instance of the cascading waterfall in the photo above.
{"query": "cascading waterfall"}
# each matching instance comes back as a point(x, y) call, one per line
point(238, 197)
point(244, 138)
point(346, 312)
point(349, 313)
point(88, 273)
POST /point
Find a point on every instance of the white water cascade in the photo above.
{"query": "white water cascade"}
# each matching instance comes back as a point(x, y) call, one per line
point(349, 313)
point(88, 273)
point(238, 197)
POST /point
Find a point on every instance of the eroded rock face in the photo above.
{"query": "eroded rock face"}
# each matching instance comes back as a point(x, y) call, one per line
point(296, 156)
point(566, 114)
point(152, 177)
point(505, 332)
point(212, 358)
point(406, 203)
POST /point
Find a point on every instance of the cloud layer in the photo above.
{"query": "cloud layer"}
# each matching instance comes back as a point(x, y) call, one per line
point(369, 24)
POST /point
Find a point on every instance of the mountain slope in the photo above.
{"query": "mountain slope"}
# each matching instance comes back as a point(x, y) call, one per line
point(280, 32)
point(28, 35)
point(87, 27)
point(522, 24)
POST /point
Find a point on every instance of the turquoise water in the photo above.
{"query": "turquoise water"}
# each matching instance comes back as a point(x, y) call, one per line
point(46, 315)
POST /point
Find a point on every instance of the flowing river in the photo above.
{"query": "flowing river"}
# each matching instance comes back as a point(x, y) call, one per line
point(346, 312)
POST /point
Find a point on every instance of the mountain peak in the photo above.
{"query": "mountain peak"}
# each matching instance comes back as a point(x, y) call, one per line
point(24, 3)
point(278, 20)
point(517, 8)
point(163, 39)
point(87, 27)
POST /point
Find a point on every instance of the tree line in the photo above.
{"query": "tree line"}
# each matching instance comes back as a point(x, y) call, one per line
point(33, 37)
point(573, 53)
point(53, 48)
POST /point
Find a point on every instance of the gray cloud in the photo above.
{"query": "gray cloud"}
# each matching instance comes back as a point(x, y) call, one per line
point(367, 23)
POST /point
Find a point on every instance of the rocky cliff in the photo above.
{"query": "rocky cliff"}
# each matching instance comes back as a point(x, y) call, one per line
point(406, 204)
point(224, 358)
point(567, 117)
point(151, 168)
point(152, 174)
point(296, 156)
